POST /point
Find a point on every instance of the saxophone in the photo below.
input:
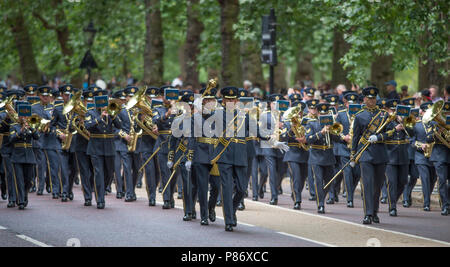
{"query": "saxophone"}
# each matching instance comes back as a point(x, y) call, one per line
point(133, 134)
point(65, 144)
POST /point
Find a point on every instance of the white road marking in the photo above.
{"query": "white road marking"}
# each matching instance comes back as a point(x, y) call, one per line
point(29, 239)
point(2, 228)
point(307, 239)
point(352, 223)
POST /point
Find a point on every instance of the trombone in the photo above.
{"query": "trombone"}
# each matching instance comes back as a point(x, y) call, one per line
point(434, 114)
point(361, 150)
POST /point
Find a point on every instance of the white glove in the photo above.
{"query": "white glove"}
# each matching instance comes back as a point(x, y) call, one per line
point(373, 139)
point(352, 164)
point(188, 165)
point(170, 164)
point(282, 146)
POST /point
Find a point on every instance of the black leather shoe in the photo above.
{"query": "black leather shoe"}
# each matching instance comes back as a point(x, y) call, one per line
point(273, 202)
point(376, 219)
point(180, 196)
point(297, 206)
point(321, 210)
point(330, 201)
point(172, 203)
point(383, 200)
point(367, 219)
point(229, 228)
point(187, 217)
point(204, 222)
point(64, 197)
point(212, 215)
point(312, 198)
point(119, 195)
point(219, 203)
point(87, 203)
point(55, 196)
point(234, 224)
point(4, 196)
point(344, 195)
point(336, 199)
point(32, 189)
point(139, 185)
point(11, 204)
point(25, 204)
point(194, 215)
point(128, 198)
point(426, 208)
point(444, 212)
point(40, 192)
point(166, 205)
point(48, 189)
point(393, 213)
point(405, 204)
point(100, 205)
point(160, 190)
point(151, 202)
point(241, 206)
point(350, 204)
point(70, 196)
point(255, 198)
point(108, 189)
point(21, 206)
point(77, 181)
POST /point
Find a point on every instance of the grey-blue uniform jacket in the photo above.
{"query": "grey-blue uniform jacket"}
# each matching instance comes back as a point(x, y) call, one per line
point(236, 152)
point(319, 152)
point(22, 143)
point(63, 122)
point(295, 152)
point(397, 146)
point(341, 148)
point(119, 141)
point(6, 147)
point(420, 132)
point(204, 146)
point(440, 152)
point(80, 141)
point(266, 124)
point(375, 153)
point(99, 129)
point(164, 128)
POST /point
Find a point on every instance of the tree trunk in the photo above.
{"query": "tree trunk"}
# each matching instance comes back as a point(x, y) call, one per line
point(154, 45)
point(28, 66)
point(381, 72)
point(304, 70)
point(340, 48)
point(192, 47)
point(231, 68)
point(429, 75)
point(251, 63)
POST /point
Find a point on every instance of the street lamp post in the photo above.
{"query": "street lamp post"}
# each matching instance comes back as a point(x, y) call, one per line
point(88, 61)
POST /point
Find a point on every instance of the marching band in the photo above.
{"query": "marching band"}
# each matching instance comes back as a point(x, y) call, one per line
point(51, 138)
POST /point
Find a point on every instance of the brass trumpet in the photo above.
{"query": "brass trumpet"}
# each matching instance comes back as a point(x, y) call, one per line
point(75, 104)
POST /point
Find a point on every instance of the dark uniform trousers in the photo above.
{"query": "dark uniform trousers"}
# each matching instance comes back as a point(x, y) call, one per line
point(40, 167)
point(322, 175)
point(412, 180)
point(103, 168)
point(8, 169)
point(351, 176)
point(203, 178)
point(258, 164)
point(53, 163)
point(372, 177)
point(231, 176)
point(23, 175)
point(428, 179)
point(69, 169)
point(335, 186)
point(86, 174)
point(151, 178)
point(299, 173)
point(311, 187)
point(121, 159)
point(274, 166)
point(396, 179)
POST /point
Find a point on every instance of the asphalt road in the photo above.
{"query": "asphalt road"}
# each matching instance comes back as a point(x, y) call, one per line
point(47, 222)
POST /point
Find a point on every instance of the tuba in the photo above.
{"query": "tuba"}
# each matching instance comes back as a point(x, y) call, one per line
point(138, 101)
point(434, 114)
point(293, 116)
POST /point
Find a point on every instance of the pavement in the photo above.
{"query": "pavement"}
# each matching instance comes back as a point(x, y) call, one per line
point(47, 222)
